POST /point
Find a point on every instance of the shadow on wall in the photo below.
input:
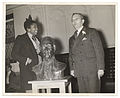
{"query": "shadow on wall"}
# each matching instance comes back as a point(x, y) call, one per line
point(102, 37)
point(40, 28)
point(86, 23)
point(59, 46)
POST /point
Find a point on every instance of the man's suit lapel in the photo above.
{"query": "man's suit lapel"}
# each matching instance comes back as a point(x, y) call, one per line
point(78, 39)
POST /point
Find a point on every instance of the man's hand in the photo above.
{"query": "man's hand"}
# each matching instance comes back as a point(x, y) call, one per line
point(28, 61)
point(100, 73)
point(72, 72)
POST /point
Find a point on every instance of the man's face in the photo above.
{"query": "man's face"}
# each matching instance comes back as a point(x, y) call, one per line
point(33, 29)
point(77, 21)
point(48, 50)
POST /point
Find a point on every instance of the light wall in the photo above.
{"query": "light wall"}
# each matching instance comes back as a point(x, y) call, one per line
point(55, 21)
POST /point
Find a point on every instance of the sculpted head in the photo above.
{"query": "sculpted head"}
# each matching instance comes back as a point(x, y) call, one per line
point(48, 48)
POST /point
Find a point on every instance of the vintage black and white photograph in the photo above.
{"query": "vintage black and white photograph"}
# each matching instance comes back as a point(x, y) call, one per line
point(66, 48)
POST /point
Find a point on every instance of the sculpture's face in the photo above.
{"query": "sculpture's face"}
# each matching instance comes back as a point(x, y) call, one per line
point(48, 50)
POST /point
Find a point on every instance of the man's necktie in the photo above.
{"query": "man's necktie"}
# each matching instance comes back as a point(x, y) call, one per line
point(34, 38)
point(75, 34)
point(37, 44)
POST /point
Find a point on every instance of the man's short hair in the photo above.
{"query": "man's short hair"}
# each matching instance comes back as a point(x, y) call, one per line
point(81, 15)
point(28, 22)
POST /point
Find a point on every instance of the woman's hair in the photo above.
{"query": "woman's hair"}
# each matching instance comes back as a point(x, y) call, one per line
point(28, 22)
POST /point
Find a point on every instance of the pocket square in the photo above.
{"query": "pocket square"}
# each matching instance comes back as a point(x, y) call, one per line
point(83, 32)
point(84, 39)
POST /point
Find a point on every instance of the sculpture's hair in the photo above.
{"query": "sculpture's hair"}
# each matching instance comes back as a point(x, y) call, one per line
point(48, 39)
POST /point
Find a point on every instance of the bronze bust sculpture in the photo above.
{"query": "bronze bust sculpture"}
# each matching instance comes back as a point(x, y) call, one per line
point(50, 68)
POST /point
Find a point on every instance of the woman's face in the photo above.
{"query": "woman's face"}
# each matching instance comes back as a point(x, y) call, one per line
point(33, 29)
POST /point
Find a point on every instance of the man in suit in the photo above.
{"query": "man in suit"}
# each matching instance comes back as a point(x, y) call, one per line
point(86, 56)
point(26, 51)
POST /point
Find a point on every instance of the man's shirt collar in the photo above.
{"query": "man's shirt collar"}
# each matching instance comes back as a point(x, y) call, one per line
point(79, 30)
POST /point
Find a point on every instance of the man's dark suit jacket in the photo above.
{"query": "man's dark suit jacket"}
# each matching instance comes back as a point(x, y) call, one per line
point(23, 49)
point(86, 57)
